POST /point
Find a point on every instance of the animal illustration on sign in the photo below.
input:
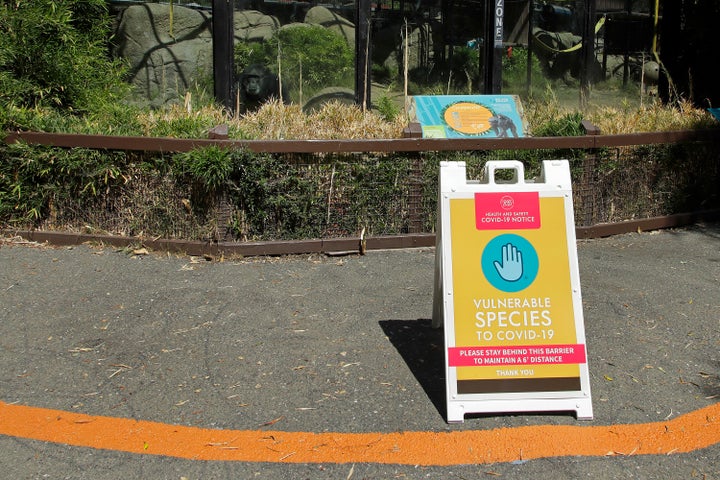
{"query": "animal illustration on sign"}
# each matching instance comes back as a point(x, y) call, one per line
point(258, 85)
point(501, 124)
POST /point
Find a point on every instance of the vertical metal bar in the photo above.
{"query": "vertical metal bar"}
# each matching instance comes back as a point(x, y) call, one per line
point(587, 52)
point(362, 53)
point(222, 37)
point(528, 85)
point(493, 47)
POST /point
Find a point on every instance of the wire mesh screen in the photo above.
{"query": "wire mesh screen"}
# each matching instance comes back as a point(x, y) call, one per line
point(304, 196)
point(647, 181)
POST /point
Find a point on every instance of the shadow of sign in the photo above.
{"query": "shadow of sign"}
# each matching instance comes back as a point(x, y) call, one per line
point(421, 347)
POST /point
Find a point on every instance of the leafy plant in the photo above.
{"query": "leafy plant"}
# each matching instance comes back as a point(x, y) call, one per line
point(248, 53)
point(53, 54)
point(275, 199)
point(311, 57)
point(514, 72)
point(35, 179)
point(388, 109)
point(210, 167)
point(465, 69)
point(567, 125)
point(316, 54)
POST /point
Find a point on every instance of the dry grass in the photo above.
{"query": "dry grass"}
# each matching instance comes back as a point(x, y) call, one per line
point(650, 118)
point(276, 121)
point(615, 120)
point(152, 121)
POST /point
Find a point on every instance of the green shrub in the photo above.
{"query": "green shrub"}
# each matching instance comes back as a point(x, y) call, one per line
point(275, 199)
point(54, 54)
point(311, 57)
point(567, 125)
point(35, 179)
point(248, 53)
point(210, 167)
point(388, 109)
point(514, 73)
point(465, 69)
point(320, 56)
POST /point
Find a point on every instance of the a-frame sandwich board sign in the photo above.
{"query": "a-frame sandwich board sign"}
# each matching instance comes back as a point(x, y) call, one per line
point(507, 291)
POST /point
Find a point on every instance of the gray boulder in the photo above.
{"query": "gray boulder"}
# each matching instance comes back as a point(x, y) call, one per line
point(168, 59)
point(341, 95)
point(254, 26)
point(164, 59)
point(328, 19)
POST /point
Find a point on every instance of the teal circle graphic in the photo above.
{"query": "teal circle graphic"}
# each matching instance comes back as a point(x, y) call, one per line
point(510, 263)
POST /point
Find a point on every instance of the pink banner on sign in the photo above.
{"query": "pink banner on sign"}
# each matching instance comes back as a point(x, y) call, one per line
point(516, 355)
point(507, 211)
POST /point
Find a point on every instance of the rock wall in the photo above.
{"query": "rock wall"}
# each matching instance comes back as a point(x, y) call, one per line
point(168, 57)
point(328, 19)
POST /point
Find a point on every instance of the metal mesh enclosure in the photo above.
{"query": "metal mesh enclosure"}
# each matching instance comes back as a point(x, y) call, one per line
point(305, 196)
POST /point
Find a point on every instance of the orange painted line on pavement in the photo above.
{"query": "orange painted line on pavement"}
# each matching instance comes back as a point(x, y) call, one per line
point(692, 431)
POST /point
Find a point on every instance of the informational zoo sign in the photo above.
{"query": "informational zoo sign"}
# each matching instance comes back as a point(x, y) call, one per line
point(507, 290)
point(460, 116)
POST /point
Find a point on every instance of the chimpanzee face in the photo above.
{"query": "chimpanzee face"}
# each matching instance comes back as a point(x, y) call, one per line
point(252, 84)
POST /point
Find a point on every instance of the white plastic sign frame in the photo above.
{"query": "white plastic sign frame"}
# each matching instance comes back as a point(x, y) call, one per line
point(507, 291)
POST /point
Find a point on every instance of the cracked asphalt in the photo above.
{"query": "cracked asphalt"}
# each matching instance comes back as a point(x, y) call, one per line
point(333, 344)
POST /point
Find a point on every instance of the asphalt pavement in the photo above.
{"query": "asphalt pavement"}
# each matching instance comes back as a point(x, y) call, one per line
point(313, 343)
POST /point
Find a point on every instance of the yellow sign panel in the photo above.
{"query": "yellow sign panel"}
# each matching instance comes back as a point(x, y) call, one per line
point(522, 325)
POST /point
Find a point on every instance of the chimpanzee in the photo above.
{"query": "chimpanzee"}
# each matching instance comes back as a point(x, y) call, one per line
point(501, 124)
point(258, 85)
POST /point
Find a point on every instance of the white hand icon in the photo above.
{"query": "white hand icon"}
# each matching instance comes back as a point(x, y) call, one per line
point(511, 268)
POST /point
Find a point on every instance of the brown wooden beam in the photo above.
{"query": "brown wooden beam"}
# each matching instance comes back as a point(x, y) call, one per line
point(333, 246)
point(160, 144)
